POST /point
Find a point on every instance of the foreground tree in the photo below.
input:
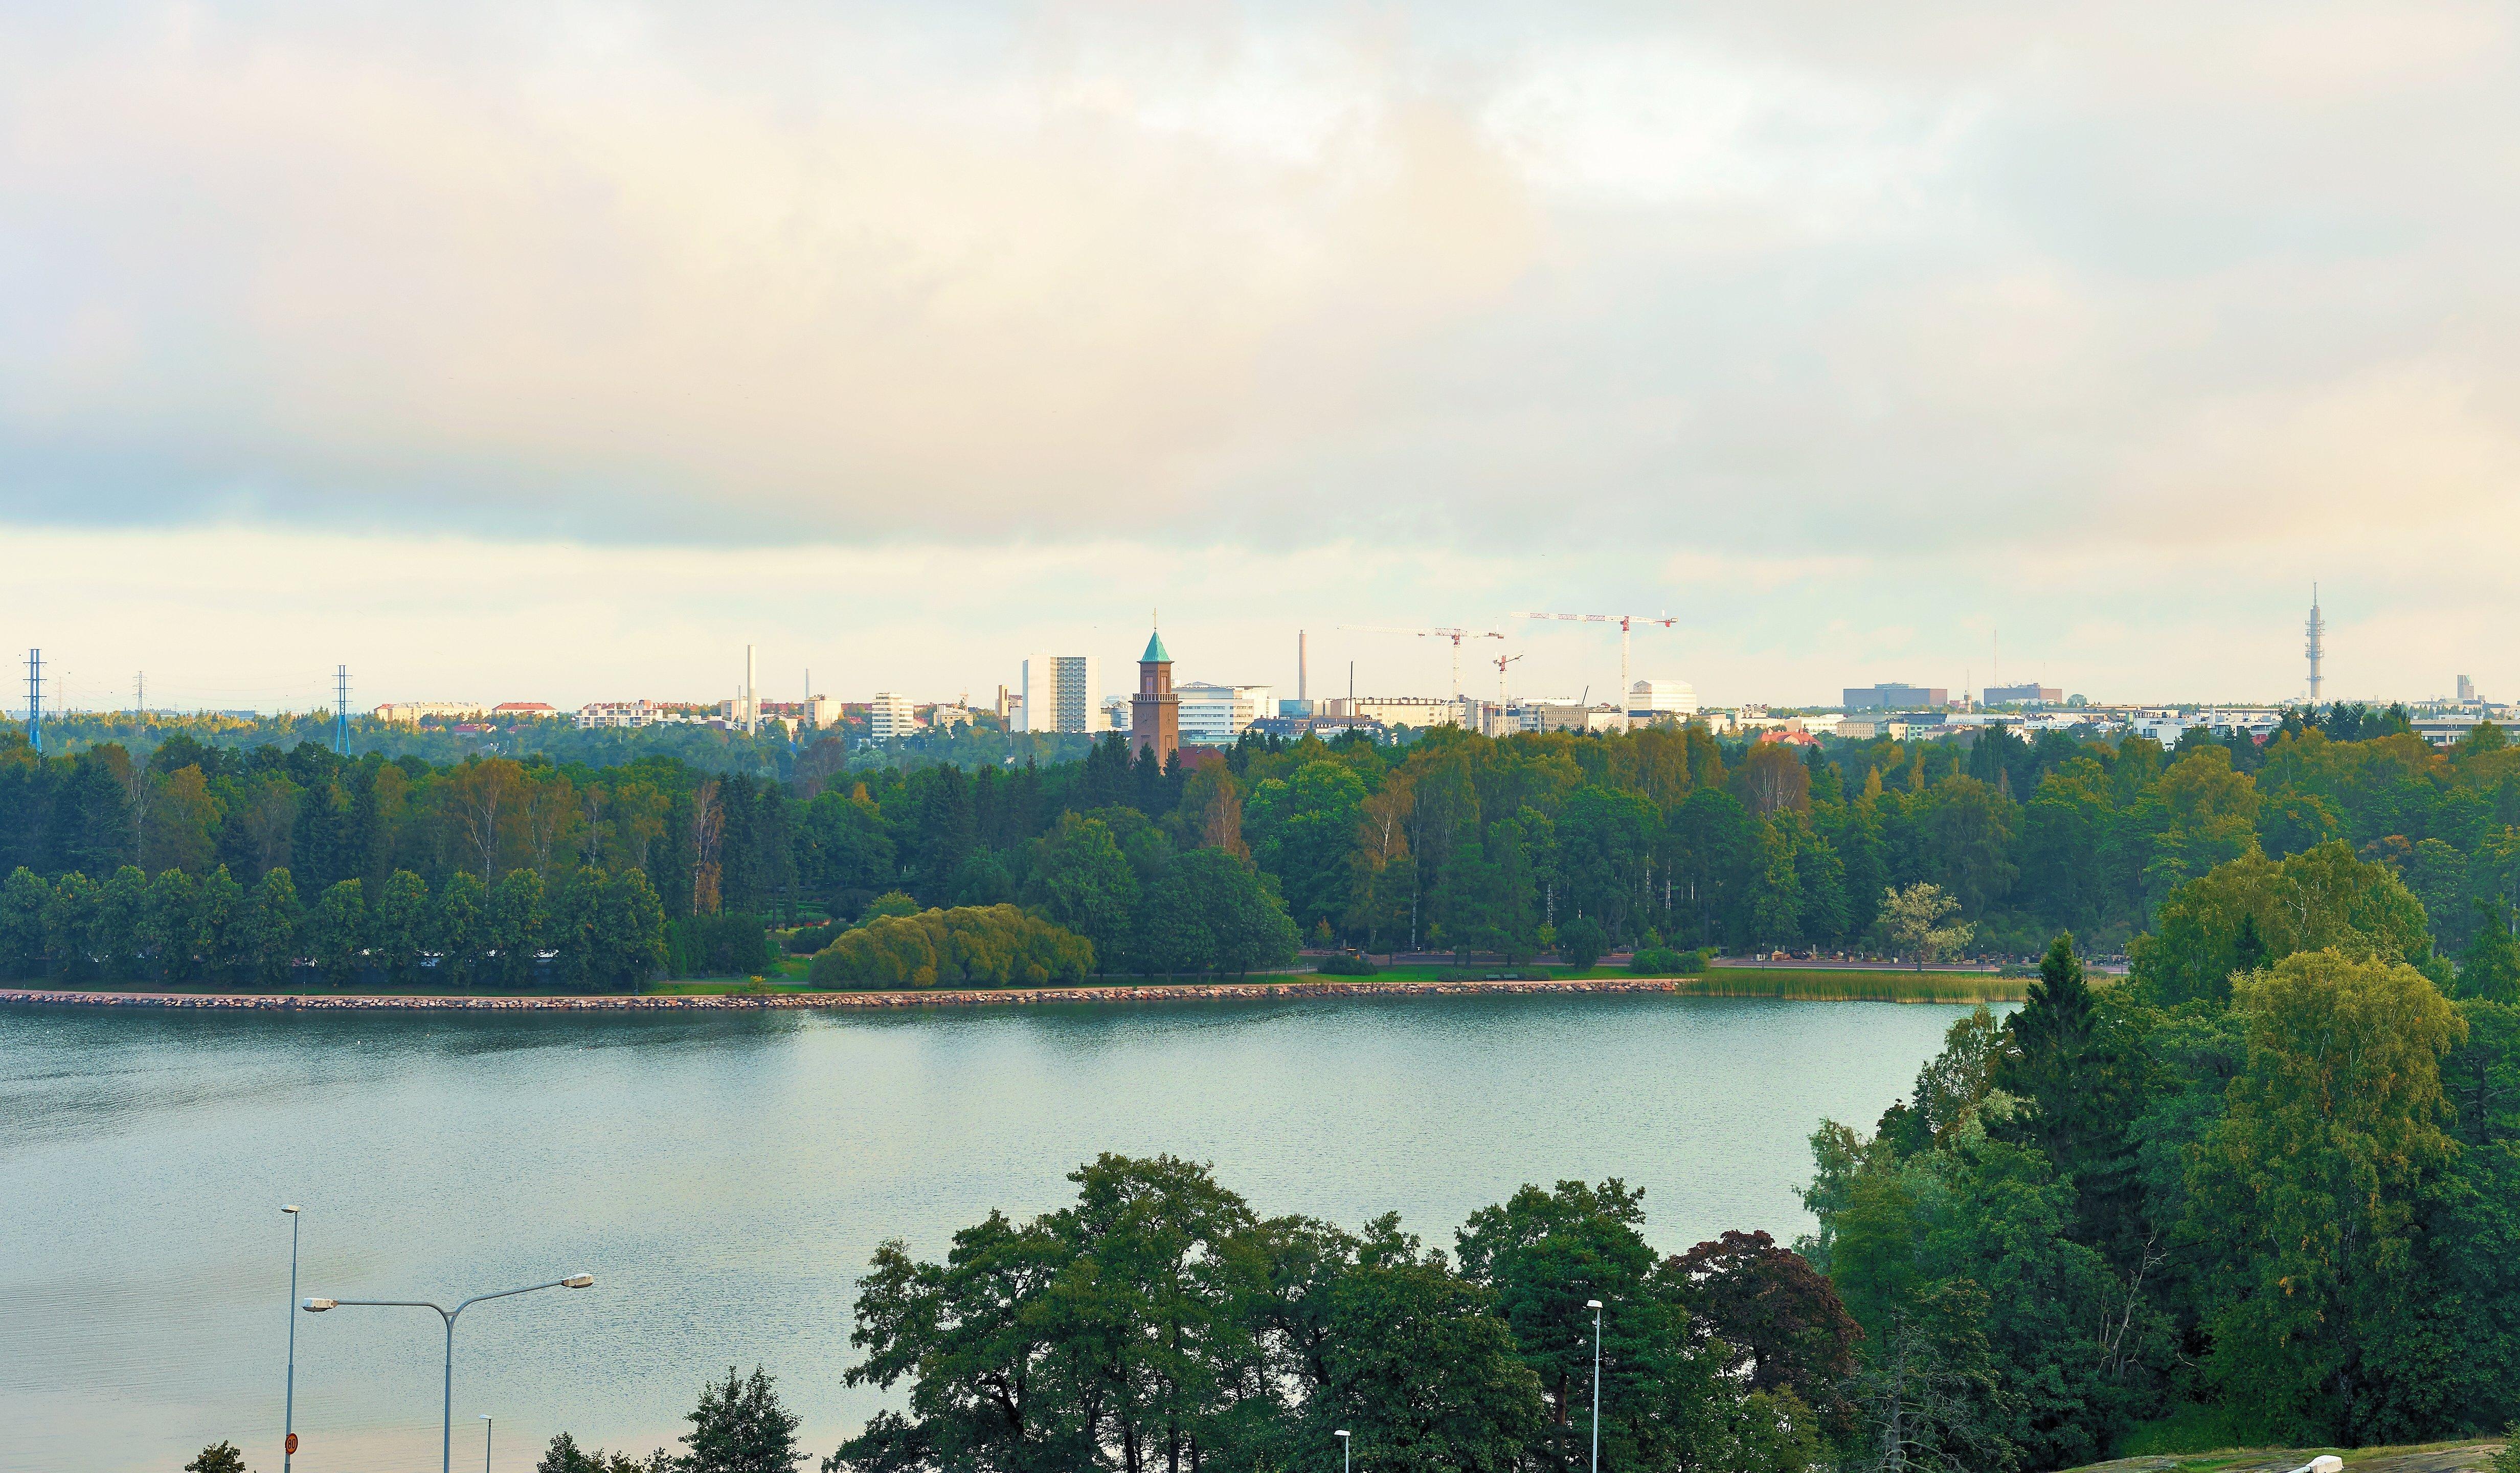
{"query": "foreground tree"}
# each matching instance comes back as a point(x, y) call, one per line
point(2312, 1183)
point(741, 1427)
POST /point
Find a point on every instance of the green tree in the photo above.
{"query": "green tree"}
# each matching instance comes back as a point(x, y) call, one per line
point(741, 1427)
point(1083, 882)
point(121, 914)
point(269, 921)
point(221, 1456)
point(628, 943)
point(22, 923)
point(2254, 907)
point(516, 926)
point(223, 929)
point(564, 1455)
point(400, 923)
point(459, 927)
point(336, 931)
point(171, 931)
point(2490, 968)
point(2311, 1185)
point(2080, 1071)
point(69, 926)
point(1417, 1369)
point(1303, 829)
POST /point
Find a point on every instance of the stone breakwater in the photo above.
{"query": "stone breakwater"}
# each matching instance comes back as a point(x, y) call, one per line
point(720, 1001)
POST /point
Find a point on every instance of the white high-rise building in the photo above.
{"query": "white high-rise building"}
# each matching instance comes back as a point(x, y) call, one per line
point(1062, 693)
point(890, 716)
point(1651, 699)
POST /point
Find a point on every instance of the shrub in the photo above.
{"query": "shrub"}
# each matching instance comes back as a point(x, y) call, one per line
point(1347, 965)
point(1658, 962)
point(1693, 962)
point(1580, 943)
point(983, 945)
point(805, 941)
point(717, 945)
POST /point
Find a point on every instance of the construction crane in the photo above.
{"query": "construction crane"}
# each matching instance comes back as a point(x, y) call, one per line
point(1500, 662)
point(1625, 621)
point(1454, 635)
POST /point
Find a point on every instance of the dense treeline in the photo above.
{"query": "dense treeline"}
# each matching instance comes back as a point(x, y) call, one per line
point(2267, 1189)
point(2283, 1208)
point(1160, 1322)
point(1663, 837)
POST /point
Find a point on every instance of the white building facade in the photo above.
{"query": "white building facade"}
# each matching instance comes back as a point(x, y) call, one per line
point(1214, 715)
point(890, 714)
point(1061, 693)
point(1651, 699)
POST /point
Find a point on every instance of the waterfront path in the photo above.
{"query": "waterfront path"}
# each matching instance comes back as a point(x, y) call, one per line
point(838, 1000)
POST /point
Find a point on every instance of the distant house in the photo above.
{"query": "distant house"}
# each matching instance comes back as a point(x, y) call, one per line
point(521, 710)
point(426, 710)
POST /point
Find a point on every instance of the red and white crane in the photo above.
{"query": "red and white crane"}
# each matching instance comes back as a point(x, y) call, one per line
point(1454, 635)
point(1625, 624)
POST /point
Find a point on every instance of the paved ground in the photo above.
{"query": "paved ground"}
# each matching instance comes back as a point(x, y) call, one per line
point(2464, 1457)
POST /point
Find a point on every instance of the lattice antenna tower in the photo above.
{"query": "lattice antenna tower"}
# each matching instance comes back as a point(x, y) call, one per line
point(35, 701)
point(341, 710)
point(2316, 648)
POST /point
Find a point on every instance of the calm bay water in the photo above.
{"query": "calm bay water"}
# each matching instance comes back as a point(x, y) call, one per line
point(723, 1178)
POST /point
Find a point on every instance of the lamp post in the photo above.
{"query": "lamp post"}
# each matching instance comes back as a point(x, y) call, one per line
point(446, 1435)
point(1344, 1445)
point(1594, 1305)
point(485, 1443)
point(288, 1396)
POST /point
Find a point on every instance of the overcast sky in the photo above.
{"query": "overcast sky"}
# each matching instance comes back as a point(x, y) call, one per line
point(555, 352)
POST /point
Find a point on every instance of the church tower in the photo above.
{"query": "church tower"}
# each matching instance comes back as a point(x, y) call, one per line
point(1154, 712)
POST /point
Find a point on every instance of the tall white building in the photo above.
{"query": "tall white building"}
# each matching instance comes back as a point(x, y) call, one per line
point(890, 714)
point(1062, 693)
point(1214, 715)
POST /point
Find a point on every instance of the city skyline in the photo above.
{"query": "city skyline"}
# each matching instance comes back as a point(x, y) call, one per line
point(1849, 338)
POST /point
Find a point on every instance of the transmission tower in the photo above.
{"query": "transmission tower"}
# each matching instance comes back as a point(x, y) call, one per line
point(341, 710)
point(2317, 629)
point(35, 701)
point(140, 695)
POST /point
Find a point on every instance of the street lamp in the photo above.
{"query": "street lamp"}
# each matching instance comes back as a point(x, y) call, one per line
point(446, 1434)
point(485, 1443)
point(1341, 1435)
point(1594, 1305)
point(288, 1401)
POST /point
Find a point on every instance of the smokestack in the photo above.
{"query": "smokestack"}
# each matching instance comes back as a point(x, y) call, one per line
point(1300, 667)
point(751, 697)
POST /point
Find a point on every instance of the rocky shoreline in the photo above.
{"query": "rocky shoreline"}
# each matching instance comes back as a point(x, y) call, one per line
point(930, 997)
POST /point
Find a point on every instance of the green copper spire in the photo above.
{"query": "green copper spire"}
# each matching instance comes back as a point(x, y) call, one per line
point(1155, 651)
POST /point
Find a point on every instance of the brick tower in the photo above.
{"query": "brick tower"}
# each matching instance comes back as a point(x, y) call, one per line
point(1154, 712)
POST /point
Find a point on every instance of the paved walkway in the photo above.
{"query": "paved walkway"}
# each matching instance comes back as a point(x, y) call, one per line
point(923, 998)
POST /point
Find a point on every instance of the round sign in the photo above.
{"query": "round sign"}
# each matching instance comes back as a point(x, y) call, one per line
point(291, 1445)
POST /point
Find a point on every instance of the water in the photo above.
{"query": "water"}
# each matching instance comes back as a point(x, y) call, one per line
point(724, 1177)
